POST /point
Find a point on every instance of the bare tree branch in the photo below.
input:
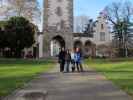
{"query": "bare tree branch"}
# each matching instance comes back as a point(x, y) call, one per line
point(27, 8)
point(120, 15)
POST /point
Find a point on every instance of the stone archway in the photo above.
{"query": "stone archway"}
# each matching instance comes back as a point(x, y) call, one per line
point(78, 44)
point(89, 49)
point(56, 44)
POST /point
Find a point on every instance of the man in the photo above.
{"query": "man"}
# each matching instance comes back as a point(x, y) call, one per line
point(61, 59)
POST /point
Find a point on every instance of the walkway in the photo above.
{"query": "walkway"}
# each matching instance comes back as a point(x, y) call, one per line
point(89, 85)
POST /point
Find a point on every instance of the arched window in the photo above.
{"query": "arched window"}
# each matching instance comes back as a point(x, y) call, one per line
point(102, 36)
point(102, 26)
point(59, 11)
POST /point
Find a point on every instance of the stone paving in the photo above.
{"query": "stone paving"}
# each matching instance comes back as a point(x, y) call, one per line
point(88, 85)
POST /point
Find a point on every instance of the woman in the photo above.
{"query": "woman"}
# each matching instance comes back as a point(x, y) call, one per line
point(67, 60)
point(78, 55)
point(73, 60)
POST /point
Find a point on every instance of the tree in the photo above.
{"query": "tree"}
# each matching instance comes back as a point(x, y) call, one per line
point(80, 23)
point(89, 29)
point(27, 8)
point(120, 15)
point(20, 34)
point(1, 38)
point(2, 34)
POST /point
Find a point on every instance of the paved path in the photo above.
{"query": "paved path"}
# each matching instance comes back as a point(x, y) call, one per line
point(89, 85)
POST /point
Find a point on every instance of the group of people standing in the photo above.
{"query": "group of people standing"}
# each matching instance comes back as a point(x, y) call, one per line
point(70, 60)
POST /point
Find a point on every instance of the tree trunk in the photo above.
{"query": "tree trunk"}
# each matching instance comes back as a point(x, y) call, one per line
point(18, 53)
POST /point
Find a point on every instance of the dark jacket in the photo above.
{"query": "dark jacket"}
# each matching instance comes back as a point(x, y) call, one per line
point(61, 56)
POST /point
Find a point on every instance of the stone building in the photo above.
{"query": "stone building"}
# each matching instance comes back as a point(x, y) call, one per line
point(57, 26)
point(98, 43)
point(58, 31)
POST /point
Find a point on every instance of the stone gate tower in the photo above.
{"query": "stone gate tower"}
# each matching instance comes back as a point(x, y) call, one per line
point(57, 25)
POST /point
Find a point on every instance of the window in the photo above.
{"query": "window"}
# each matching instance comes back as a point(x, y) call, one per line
point(58, 26)
point(102, 36)
point(59, 0)
point(58, 11)
point(62, 23)
point(102, 26)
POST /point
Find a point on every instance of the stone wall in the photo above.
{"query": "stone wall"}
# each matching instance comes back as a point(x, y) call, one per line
point(58, 16)
point(58, 21)
point(67, 37)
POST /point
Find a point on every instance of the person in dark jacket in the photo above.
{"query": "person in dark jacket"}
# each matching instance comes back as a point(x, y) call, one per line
point(61, 59)
point(67, 60)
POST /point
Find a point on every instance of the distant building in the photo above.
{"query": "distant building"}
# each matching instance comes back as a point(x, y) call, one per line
point(100, 39)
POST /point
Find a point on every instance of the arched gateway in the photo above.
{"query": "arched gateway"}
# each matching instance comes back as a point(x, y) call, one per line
point(56, 44)
point(57, 26)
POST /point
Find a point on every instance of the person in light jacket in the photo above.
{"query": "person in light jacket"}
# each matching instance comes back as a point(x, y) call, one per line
point(73, 60)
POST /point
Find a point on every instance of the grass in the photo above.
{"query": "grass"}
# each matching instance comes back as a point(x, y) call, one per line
point(120, 72)
point(15, 73)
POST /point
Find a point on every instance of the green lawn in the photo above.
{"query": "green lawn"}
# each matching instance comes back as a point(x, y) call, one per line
point(15, 73)
point(120, 72)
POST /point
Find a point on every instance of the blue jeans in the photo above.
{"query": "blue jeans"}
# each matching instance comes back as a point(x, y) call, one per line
point(79, 66)
point(67, 66)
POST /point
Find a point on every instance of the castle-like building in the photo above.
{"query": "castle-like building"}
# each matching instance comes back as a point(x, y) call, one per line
point(58, 31)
